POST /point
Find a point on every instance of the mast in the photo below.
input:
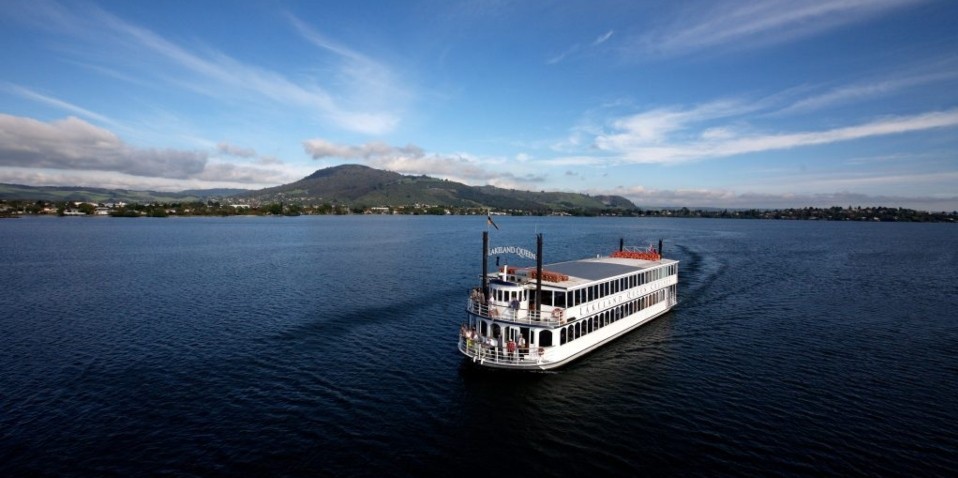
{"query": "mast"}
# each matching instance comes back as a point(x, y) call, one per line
point(485, 266)
point(539, 272)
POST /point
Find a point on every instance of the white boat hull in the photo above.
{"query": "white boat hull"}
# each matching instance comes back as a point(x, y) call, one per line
point(558, 356)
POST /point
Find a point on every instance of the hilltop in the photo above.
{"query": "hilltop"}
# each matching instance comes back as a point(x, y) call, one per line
point(362, 186)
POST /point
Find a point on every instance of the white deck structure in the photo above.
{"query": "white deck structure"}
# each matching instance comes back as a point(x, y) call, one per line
point(584, 304)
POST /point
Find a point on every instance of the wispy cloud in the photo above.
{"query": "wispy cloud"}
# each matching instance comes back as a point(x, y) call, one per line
point(577, 49)
point(55, 102)
point(645, 138)
point(864, 91)
point(363, 82)
point(603, 38)
point(757, 24)
point(111, 40)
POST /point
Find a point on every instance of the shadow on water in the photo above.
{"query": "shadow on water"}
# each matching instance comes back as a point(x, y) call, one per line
point(326, 325)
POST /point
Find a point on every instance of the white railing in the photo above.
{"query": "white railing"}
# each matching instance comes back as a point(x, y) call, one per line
point(481, 350)
point(523, 316)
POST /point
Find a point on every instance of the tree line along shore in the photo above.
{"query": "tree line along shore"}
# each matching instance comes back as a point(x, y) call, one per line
point(223, 208)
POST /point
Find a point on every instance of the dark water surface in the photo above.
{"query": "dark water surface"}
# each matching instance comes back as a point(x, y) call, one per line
point(325, 346)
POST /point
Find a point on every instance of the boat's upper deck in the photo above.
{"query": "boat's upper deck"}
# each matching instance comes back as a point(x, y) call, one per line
point(581, 272)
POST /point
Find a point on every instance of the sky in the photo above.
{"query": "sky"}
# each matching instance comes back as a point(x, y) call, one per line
point(738, 104)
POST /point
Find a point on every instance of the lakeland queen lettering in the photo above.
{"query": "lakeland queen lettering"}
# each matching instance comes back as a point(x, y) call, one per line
point(525, 253)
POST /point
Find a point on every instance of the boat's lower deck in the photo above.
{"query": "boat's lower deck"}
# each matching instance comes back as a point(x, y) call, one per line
point(489, 352)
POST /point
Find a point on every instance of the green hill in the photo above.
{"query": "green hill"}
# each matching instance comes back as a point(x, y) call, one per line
point(362, 186)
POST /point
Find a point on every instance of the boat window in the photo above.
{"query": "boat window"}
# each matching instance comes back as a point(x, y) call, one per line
point(562, 335)
point(483, 329)
point(545, 338)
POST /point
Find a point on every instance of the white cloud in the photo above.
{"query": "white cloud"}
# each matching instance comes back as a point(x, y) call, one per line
point(237, 151)
point(320, 148)
point(757, 23)
point(724, 198)
point(75, 144)
point(411, 159)
point(72, 144)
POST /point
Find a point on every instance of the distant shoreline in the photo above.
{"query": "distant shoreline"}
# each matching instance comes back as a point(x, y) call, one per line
point(829, 215)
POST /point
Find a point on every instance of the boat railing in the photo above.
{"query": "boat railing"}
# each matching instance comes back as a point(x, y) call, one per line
point(480, 348)
point(555, 316)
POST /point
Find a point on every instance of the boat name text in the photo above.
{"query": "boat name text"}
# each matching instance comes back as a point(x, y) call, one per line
point(525, 253)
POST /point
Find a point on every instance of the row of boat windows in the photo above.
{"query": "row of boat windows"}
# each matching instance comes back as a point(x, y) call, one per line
point(596, 322)
point(582, 327)
point(509, 295)
point(594, 292)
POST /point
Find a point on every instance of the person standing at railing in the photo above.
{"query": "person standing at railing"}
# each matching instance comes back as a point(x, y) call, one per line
point(522, 347)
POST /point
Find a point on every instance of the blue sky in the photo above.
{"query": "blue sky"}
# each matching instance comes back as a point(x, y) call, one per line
point(727, 104)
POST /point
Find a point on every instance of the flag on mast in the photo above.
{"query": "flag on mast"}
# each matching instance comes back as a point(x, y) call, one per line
point(489, 221)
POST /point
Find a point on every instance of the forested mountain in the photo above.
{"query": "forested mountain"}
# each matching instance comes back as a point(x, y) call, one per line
point(364, 186)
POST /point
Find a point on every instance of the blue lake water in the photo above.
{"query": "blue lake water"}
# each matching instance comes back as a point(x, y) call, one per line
point(322, 346)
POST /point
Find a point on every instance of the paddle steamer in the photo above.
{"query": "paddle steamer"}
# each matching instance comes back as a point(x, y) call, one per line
point(543, 317)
